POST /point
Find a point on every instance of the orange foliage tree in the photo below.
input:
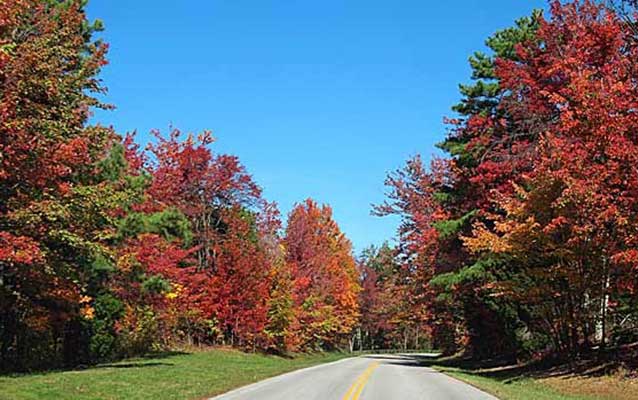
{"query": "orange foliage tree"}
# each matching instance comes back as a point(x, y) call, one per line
point(325, 278)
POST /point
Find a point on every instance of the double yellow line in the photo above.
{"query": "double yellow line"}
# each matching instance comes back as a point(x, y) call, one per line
point(355, 390)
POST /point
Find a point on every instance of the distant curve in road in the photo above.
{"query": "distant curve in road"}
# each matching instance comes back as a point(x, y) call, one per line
point(373, 377)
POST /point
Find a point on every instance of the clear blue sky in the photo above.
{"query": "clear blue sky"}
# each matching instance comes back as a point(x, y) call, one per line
point(318, 98)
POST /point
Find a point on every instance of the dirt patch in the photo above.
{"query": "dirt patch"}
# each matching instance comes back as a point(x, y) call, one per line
point(617, 386)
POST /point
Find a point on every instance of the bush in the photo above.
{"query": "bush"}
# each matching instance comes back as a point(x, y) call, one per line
point(141, 334)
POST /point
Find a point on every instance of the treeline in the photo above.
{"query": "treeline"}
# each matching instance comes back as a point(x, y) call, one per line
point(523, 239)
point(109, 250)
point(391, 315)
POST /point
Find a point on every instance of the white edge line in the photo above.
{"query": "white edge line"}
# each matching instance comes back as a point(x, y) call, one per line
point(257, 385)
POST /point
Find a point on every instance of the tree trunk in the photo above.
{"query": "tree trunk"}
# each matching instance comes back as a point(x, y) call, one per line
point(601, 328)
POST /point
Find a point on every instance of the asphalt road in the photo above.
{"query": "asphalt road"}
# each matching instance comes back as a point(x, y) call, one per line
point(381, 377)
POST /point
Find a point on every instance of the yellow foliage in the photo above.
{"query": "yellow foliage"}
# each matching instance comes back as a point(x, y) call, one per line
point(126, 263)
point(175, 292)
point(483, 240)
point(88, 312)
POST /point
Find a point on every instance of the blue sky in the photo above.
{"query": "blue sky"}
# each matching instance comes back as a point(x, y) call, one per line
point(318, 98)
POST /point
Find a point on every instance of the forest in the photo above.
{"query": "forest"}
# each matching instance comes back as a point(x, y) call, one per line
point(520, 240)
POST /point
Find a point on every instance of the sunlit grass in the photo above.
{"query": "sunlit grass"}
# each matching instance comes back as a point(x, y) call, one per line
point(177, 376)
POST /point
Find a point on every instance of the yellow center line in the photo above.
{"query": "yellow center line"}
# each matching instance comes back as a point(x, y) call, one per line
point(355, 390)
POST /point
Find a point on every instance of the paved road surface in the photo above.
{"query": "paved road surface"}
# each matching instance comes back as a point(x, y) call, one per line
point(382, 377)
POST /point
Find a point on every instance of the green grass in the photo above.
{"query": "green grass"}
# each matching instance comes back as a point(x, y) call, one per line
point(181, 376)
point(522, 388)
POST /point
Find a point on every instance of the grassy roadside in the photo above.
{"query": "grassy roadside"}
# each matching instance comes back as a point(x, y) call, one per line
point(590, 381)
point(176, 376)
point(519, 389)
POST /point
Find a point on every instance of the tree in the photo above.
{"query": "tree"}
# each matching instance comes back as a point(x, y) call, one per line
point(109, 250)
point(325, 278)
point(488, 145)
point(229, 219)
point(54, 204)
point(390, 318)
point(578, 205)
point(525, 233)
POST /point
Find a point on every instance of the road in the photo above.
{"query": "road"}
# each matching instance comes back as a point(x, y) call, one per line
point(380, 377)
